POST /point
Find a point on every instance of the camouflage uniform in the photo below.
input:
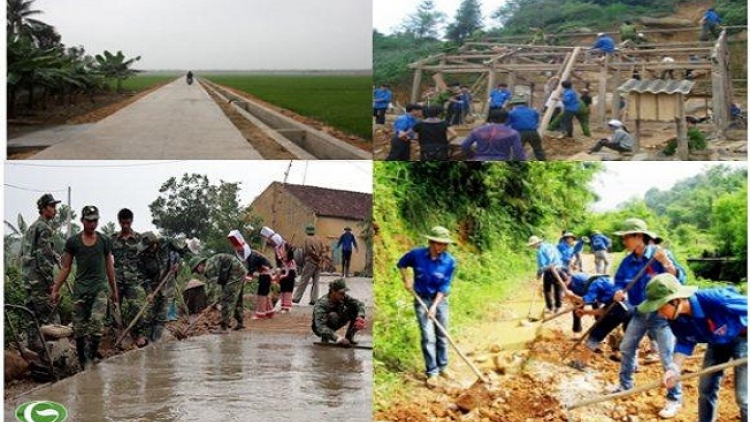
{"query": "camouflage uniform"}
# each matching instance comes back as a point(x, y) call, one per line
point(329, 317)
point(131, 293)
point(314, 255)
point(155, 259)
point(231, 285)
point(37, 265)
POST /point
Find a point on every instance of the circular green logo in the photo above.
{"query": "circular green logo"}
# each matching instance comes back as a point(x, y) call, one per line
point(41, 411)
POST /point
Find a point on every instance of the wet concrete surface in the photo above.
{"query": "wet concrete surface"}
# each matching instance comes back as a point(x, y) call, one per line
point(243, 376)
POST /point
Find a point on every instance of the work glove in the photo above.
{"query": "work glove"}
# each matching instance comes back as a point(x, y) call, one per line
point(670, 377)
point(359, 323)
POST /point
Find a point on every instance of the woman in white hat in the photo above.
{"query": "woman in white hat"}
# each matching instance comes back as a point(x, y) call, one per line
point(621, 140)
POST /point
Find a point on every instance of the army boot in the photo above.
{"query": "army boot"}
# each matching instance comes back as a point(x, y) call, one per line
point(156, 333)
point(81, 351)
point(94, 351)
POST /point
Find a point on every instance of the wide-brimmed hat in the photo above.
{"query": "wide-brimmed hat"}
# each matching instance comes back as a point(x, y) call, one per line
point(569, 234)
point(533, 240)
point(439, 234)
point(661, 289)
point(633, 226)
point(46, 199)
point(614, 123)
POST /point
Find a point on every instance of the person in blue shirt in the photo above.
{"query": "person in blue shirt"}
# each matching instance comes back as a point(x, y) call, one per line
point(637, 240)
point(499, 96)
point(403, 134)
point(525, 120)
point(717, 317)
point(600, 244)
point(381, 99)
point(593, 294)
point(571, 107)
point(604, 45)
point(433, 270)
point(710, 25)
point(569, 245)
point(347, 242)
point(466, 100)
point(548, 260)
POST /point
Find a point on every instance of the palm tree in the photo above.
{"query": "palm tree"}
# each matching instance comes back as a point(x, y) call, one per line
point(115, 66)
point(21, 23)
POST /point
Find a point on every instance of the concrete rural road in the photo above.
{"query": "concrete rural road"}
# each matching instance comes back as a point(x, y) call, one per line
point(177, 121)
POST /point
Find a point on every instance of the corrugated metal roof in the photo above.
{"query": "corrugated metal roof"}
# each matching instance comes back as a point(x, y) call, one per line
point(657, 86)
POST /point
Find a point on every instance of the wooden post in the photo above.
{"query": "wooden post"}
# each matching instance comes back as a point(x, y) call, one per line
point(637, 141)
point(682, 138)
point(531, 95)
point(416, 84)
point(512, 77)
point(718, 89)
point(491, 77)
point(601, 105)
point(567, 68)
point(616, 97)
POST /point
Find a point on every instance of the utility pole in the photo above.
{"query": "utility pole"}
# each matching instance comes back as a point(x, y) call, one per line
point(288, 169)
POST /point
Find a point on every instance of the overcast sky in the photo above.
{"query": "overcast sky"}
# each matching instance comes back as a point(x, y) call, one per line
point(112, 185)
point(623, 180)
point(220, 34)
point(389, 14)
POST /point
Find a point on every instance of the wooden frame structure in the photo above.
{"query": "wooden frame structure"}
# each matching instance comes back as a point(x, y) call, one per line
point(533, 65)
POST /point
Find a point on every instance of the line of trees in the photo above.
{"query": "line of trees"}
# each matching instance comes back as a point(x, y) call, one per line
point(41, 68)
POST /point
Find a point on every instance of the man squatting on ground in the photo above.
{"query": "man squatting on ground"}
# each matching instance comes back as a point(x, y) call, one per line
point(95, 271)
point(433, 270)
point(335, 310)
point(717, 317)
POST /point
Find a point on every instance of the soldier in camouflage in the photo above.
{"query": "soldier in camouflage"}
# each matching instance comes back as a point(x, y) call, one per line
point(157, 259)
point(38, 262)
point(228, 273)
point(131, 293)
point(95, 270)
point(334, 311)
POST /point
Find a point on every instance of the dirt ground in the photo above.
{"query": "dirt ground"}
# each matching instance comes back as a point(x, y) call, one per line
point(267, 147)
point(533, 385)
point(349, 139)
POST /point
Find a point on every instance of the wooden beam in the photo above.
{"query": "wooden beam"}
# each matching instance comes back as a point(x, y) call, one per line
point(601, 105)
point(491, 83)
point(720, 107)
point(567, 68)
point(416, 84)
point(637, 141)
point(682, 138)
point(616, 96)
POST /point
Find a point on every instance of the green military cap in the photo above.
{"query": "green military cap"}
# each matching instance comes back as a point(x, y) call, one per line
point(90, 212)
point(338, 285)
point(633, 226)
point(661, 289)
point(310, 229)
point(196, 261)
point(46, 199)
point(439, 234)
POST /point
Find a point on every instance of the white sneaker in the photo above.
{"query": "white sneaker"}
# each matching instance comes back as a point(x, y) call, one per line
point(670, 409)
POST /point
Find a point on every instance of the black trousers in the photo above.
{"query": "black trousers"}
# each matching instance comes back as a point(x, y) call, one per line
point(532, 138)
point(379, 114)
point(618, 315)
point(608, 144)
point(552, 291)
point(400, 149)
point(346, 261)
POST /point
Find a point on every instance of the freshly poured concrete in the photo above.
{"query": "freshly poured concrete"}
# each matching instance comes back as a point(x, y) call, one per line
point(178, 121)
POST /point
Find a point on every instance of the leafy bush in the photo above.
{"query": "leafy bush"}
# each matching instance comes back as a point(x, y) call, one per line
point(696, 142)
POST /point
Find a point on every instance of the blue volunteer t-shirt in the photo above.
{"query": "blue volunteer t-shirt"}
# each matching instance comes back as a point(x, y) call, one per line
point(431, 276)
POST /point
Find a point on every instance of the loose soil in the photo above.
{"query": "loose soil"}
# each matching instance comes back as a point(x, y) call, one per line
point(327, 129)
point(533, 385)
point(265, 145)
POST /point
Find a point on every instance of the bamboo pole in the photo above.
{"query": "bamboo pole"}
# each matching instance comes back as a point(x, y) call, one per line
point(416, 84)
point(567, 68)
point(682, 138)
point(601, 105)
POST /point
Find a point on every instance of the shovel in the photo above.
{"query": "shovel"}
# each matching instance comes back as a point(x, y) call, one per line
point(531, 308)
point(477, 394)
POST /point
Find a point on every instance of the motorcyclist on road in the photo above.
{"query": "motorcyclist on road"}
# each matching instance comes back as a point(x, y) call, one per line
point(190, 77)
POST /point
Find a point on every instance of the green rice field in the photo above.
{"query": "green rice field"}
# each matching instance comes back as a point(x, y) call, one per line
point(342, 101)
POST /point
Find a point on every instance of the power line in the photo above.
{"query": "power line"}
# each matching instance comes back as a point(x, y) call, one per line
point(34, 190)
point(14, 163)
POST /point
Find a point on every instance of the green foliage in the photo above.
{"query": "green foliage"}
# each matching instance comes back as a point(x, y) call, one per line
point(696, 142)
point(392, 53)
point(491, 208)
point(424, 22)
point(195, 207)
point(142, 82)
point(115, 66)
point(341, 101)
point(467, 21)
point(732, 12)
